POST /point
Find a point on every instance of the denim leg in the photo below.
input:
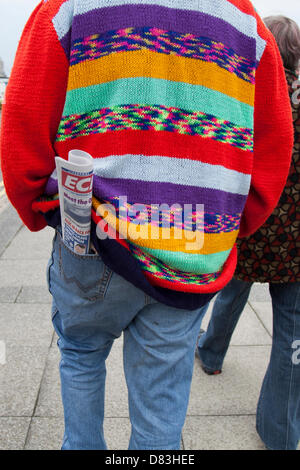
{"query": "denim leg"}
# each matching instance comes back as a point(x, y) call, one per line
point(159, 348)
point(91, 307)
point(228, 306)
point(82, 374)
point(278, 411)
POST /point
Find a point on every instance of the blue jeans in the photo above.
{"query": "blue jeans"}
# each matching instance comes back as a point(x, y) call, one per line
point(92, 306)
point(278, 410)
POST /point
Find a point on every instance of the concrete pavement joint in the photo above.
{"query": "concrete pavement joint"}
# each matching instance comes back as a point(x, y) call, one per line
point(259, 318)
point(10, 239)
point(37, 398)
point(18, 294)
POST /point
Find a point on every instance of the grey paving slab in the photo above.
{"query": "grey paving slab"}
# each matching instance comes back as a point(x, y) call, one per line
point(28, 245)
point(49, 401)
point(236, 390)
point(117, 433)
point(265, 313)
point(14, 273)
point(9, 294)
point(20, 380)
point(221, 433)
point(45, 434)
point(249, 330)
point(13, 433)
point(260, 293)
point(27, 334)
point(10, 223)
point(34, 295)
point(199, 433)
point(26, 325)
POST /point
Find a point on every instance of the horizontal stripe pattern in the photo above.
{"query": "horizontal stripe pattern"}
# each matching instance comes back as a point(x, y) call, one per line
point(168, 239)
point(157, 193)
point(158, 118)
point(146, 192)
point(166, 144)
point(149, 64)
point(166, 70)
point(172, 170)
point(150, 91)
point(161, 274)
point(205, 264)
point(176, 280)
point(140, 16)
point(159, 214)
point(176, 215)
point(164, 42)
point(221, 9)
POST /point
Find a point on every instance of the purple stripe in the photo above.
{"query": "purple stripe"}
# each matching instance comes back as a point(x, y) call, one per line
point(138, 16)
point(144, 192)
point(66, 43)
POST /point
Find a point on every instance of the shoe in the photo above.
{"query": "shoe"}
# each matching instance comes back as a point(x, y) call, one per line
point(211, 372)
point(205, 369)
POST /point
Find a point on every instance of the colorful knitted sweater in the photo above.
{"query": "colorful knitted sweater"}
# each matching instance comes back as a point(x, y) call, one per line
point(180, 102)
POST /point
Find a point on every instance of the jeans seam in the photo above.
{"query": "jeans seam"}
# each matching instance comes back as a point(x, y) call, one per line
point(259, 408)
point(291, 375)
point(54, 313)
point(102, 283)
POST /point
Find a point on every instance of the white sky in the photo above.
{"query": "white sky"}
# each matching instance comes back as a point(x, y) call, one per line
point(14, 14)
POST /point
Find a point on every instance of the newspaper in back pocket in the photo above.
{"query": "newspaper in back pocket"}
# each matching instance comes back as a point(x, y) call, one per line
point(75, 183)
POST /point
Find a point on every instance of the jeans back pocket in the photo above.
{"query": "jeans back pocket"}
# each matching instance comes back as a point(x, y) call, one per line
point(81, 277)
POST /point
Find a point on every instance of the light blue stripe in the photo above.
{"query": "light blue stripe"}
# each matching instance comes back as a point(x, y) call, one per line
point(62, 21)
point(193, 263)
point(173, 170)
point(221, 9)
point(152, 91)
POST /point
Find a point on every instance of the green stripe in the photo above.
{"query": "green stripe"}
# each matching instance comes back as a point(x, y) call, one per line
point(204, 264)
point(152, 91)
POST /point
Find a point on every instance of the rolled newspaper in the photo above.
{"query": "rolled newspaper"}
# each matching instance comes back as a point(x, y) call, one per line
point(75, 183)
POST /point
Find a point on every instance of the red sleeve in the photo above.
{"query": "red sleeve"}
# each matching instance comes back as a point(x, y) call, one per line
point(273, 140)
point(34, 101)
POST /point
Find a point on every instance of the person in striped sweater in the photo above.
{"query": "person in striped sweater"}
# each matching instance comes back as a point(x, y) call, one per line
point(184, 107)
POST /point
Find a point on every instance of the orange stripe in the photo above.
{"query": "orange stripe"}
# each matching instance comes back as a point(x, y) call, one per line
point(145, 63)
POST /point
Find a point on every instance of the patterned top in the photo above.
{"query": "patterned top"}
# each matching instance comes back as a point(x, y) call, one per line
point(170, 98)
point(272, 254)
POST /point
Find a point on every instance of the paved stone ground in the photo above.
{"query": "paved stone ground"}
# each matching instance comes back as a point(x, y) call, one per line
point(221, 413)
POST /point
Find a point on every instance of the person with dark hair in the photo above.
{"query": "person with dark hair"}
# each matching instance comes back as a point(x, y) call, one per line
point(287, 34)
point(271, 255)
